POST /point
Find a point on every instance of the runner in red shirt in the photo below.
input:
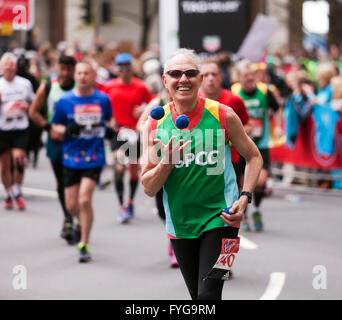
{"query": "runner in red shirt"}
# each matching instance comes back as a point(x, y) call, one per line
point(211, 89)
point(127, 94)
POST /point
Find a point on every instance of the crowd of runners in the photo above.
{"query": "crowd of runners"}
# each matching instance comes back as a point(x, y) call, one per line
point(86, 100)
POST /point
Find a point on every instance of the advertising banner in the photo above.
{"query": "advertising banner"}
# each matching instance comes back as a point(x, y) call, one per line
point(210, 26)
point(16, 14)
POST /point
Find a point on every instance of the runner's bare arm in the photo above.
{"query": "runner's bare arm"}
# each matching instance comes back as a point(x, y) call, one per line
point(111, 122)
point(247, 148)
point(55, 132)
point(37, 105)
point(154, 173)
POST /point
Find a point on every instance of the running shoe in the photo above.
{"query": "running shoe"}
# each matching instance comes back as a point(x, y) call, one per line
point(230, 275)
point(245, 225)
point(84, 253)
point(129, 210)
point(68, 233)
point(104, 184)
point(20, 202)
point(123, 216)
point(174, 262)
point(8, 204)
point(257, 221)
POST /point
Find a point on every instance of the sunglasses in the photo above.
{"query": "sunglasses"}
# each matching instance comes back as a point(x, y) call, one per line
point(125, 67)
point(177, 74)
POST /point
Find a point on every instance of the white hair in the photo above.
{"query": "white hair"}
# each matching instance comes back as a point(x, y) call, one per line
point(189, 53)
point(8, 56)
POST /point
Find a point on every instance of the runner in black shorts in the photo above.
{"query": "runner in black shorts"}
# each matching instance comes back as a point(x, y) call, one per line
point(83, 114)
point(127, 94)
point(16, 95)
point(47, 95)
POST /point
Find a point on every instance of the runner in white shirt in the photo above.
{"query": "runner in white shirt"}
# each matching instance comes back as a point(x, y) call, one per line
point(16, 94)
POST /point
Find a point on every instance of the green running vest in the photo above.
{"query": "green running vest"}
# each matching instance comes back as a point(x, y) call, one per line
point(257, 107)
point(203, 182)
point(53, 147)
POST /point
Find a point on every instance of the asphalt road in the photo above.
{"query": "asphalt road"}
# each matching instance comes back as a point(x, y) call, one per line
point(298, 256)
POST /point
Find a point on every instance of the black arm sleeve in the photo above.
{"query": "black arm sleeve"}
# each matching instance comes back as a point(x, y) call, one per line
point(110, 133)
point(272, 102)
point(73, 130)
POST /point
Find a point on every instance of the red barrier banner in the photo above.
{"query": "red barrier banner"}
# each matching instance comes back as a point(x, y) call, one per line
point(304, 154)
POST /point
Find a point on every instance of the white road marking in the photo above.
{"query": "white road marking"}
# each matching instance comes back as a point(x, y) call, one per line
point(275, 285)
point(38, 192)
point(247, 244)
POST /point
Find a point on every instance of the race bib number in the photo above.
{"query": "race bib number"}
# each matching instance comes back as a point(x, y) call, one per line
point(13, 109)
point(128, 135)
point(257, 125)
point(88, 115)
point(223, 265)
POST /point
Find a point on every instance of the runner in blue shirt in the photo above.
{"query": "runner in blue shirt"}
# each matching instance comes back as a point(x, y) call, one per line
point(82, 114)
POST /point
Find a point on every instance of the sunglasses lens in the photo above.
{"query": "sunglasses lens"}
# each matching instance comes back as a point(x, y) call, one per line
point(175, 73)
point(191, 73)
point(124, 67)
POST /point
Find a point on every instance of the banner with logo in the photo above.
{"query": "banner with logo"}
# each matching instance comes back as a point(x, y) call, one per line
point(211, 26)
point(16, 15)
point(305, 152)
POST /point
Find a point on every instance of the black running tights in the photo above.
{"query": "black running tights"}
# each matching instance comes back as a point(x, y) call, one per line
point(196, 257)
point(58, 171)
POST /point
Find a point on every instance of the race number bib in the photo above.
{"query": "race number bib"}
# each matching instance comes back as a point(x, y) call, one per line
point(257, 130)
point(129, 135)
point(88, 115)
point(223, 265)
point(15, 109)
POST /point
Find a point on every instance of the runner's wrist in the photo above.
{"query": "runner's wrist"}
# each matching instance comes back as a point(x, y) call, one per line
point(246, 195)
point(47, 127)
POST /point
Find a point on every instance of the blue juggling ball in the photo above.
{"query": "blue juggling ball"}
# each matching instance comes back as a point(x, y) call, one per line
point(157, 113)
point(182, 121)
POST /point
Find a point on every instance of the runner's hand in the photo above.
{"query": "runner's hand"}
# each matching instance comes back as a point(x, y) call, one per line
point(171, 154)
point(57, 132)
point(236, 212)
point(137, 112)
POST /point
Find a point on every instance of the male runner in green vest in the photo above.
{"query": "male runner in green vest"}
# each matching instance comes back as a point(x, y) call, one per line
point(48, 94)
point(259, 101)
